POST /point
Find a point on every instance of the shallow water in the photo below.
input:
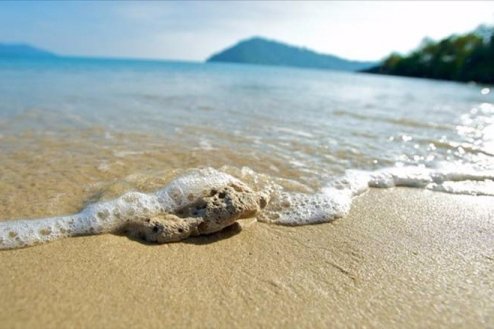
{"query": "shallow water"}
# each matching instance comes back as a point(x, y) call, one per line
point(77, 131)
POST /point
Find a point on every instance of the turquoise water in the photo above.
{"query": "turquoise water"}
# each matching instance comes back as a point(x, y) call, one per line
point(75, 130)
point(317, 120)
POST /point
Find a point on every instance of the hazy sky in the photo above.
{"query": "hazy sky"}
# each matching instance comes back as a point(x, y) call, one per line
point(194, 30)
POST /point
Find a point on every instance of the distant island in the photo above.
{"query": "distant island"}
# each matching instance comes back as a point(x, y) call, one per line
point(467, 57)
point(267, 52)
point(22, 50)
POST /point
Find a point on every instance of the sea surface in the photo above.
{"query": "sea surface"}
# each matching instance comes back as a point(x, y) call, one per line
point(77, 131)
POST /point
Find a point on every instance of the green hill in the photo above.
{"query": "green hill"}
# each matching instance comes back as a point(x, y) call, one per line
point(266, 52)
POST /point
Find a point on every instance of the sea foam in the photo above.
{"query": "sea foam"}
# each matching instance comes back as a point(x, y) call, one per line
point(206, 200)
point(334, 200)
point(200, 202)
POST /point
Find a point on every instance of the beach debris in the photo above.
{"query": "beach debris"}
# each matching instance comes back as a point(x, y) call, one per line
point(206, 215)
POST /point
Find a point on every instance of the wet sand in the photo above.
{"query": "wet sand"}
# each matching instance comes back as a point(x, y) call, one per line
point(403, 258)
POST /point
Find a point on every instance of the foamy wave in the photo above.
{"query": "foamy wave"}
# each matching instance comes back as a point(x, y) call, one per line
point(472, 181)
point(334, 200)
point(300, 209)
point(206, 200)
point(200, 202)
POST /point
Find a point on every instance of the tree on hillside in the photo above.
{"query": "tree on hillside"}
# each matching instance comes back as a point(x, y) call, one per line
point(468, 57)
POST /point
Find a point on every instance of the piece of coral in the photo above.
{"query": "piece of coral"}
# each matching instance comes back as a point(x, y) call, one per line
point(208, 214)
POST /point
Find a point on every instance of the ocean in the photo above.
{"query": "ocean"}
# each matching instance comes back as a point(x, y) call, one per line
point(76, 133)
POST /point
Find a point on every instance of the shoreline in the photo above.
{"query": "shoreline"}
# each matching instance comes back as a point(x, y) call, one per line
point(402, 258)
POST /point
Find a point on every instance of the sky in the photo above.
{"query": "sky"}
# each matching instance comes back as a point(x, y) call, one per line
point(189, 30)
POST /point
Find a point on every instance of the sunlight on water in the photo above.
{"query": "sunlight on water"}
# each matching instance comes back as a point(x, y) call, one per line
point(75, 131)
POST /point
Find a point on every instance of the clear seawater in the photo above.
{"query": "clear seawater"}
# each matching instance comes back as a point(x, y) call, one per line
point(74, 131)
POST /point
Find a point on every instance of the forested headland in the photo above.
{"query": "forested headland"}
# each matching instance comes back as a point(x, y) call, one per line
point(466, 57)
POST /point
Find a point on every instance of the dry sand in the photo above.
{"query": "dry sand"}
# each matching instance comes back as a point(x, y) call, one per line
point(403, 258)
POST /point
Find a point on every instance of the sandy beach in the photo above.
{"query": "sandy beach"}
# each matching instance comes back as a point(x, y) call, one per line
point(403, 258)
point(364, 155)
